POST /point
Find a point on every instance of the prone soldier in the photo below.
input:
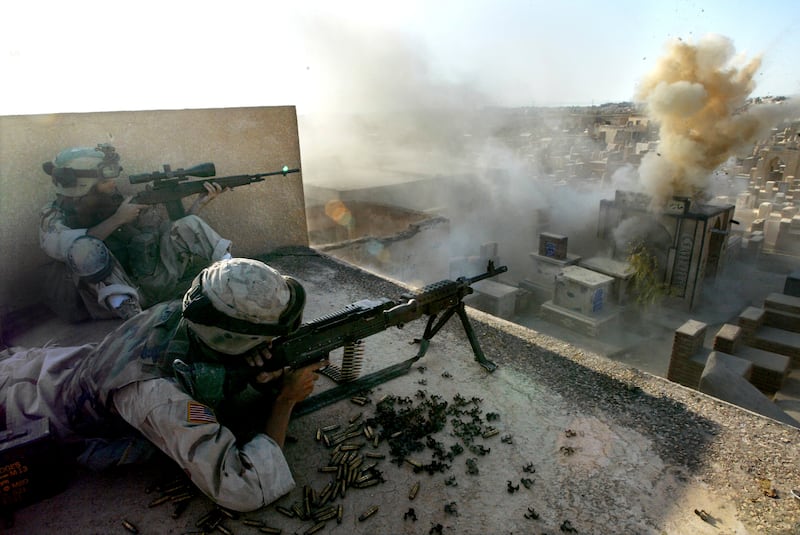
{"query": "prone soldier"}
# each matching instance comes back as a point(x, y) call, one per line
point(134, 380)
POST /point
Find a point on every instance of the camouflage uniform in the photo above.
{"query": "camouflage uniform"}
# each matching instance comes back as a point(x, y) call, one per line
point(83, 390)
point(160, 257)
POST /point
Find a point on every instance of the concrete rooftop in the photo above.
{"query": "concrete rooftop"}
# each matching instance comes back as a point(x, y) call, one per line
point(585, 444)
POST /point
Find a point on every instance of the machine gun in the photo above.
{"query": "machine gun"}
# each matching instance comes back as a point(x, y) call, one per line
point(169, 187)
point(346, 329)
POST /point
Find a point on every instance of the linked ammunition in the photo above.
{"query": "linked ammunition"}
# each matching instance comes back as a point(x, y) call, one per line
point(413, 492)
point(315, 528)
point(130, 527)
point(368, 513)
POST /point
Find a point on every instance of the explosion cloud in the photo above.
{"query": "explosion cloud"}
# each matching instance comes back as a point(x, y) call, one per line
point(697, 94)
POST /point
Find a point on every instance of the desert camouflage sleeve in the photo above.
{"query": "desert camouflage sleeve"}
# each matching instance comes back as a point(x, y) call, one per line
point(55, 236)
point(241, 479)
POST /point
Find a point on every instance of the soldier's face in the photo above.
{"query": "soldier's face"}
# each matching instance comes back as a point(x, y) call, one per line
point(106, 186)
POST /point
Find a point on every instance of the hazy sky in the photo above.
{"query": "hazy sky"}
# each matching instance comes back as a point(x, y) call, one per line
point(81, 55)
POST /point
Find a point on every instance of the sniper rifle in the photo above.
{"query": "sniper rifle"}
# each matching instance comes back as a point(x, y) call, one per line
point(168, 187)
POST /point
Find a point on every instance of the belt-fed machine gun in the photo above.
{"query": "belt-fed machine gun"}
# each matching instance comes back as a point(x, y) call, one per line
point(347, 329)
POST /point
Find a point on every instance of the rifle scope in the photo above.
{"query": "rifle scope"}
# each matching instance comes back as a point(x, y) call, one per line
point(202, 170)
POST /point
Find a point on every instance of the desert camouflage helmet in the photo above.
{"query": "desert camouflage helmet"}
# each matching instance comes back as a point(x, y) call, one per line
point(88, 257)
point(75, 170)
point(245, 296)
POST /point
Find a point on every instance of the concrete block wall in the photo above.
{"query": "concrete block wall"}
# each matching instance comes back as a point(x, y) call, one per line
point(686, 344)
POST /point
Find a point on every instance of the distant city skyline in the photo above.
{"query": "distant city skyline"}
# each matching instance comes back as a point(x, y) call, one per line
point(346, 56)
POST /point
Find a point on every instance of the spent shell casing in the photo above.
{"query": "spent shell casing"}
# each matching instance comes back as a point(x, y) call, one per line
point(371, 455)
point(205, 518)
point(318, 436)
point(180, 507)
point(182, 497)
point(159, 501)
point(315, 528)
point(396, 434)
point(252, 523)
point(267, 529)
point(328, 469)
point(327, 440)
point(130, 527)
point(413, 492)
point(352, 447)
point(367, 483)
point(375, 440)
point(490, 433)
point(368, 513)
point(359, 401)
point(225, 531)
point(368, 467)
point(227, 512)
point(298, 510)
point(415, 464)
point(339, 513)
point(326, 513)
point(284, 511)
point(368, 432)
point(333, 427)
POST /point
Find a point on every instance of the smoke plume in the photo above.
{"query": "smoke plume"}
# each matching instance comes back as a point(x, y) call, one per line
point(698, 93)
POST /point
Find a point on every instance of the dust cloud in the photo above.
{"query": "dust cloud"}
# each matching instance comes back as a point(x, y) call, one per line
point(386, 117)
point(697, 93)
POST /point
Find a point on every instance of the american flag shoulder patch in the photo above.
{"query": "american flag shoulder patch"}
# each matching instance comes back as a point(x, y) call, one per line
point(197, 413)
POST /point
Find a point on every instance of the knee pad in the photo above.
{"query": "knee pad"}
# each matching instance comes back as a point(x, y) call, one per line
point(89, 258)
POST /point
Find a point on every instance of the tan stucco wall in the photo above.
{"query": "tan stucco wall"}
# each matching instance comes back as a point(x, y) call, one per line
point(258, 218)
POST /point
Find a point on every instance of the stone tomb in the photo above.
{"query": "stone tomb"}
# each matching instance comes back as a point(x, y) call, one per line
point(551, 258)
point(581, 301)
